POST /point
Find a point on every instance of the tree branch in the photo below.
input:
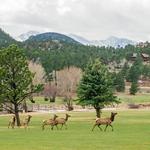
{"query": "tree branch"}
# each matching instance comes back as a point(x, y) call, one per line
point(7, 107)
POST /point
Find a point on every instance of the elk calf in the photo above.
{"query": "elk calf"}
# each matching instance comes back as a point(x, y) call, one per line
point(62, 121)
point(12, 122)
point(50, 122)
point(105, 121)
point(26, 121)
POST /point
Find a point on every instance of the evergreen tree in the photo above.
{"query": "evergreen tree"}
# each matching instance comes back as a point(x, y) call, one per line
point(134, 88)
point(15, 80)
point(95, 87)
point(119, 82)
point(135, 71)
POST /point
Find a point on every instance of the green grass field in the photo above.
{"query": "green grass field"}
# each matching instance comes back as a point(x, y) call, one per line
point(138, 98)
point(124, 98)
point(131, 132)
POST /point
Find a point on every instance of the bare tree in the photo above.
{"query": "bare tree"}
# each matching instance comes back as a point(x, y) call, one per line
point(67, 80)
point(50, 91)
point(37, 68)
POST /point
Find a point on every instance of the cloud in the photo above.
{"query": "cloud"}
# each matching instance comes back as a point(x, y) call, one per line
point(93, 19)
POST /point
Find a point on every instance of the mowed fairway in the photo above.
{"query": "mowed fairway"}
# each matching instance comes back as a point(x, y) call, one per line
point(131, 132)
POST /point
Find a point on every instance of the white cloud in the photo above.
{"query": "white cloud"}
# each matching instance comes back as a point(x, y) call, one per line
point(62, 9)
point(93, 19)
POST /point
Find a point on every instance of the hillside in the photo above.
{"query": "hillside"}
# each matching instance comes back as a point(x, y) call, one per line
point(52, 36)
point(5, 39)
point(56, 51)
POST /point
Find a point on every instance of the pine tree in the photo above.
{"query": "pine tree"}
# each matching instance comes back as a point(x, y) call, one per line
point(15, 80)
point(95, 87)
point(134, 88)
point(119, 82)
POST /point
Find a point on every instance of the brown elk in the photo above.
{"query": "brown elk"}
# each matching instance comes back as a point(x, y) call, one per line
point(12, 122)
point(26, 121)
point(50, 122)
point(105, 121)
point(62, 121)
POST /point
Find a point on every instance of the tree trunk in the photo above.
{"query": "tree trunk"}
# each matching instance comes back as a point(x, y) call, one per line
point(55, 78)
point(17, 114)
point(53, 98)
point(98, 112)
point(25, 106)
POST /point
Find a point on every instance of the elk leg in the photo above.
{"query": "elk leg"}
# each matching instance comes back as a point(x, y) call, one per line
point(43, 126)
point(8, 124)
point(65, 125)
point(13, 126)
point(100, 127)
point(112, 127)
point(94, 127)
point(25, 126)
point(106, 127)
point(52, 127)
point(57, 127)
point(61, 126)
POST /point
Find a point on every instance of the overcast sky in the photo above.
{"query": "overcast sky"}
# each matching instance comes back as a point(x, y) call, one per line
point(92, 19)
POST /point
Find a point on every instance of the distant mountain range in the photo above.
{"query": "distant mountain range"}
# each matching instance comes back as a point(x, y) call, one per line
point(71, 38)
point(114, 42)
point(80, 39)
point(111, 41)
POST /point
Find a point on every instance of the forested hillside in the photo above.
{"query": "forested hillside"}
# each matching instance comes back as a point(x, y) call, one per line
point(5, 39)
point(56, 51)
point(52, 36)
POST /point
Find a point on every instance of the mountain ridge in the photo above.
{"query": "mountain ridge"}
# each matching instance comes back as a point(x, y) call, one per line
point(24, 36)
point(54, 36)
point(111, 41)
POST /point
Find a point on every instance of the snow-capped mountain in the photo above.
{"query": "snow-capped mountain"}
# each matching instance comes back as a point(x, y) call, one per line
point(111, 41)
point(25, 36)
point(114, 42)
point(80, 39)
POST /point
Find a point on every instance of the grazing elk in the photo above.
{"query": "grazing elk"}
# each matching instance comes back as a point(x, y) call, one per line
point(12, 122)
point(105, 121)
point(50, 122)
point(62, 121)
point(26, 121)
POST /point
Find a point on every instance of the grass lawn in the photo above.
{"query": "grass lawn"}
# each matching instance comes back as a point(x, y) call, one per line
point(138, 98)
point(124, 97)
point(131, 132)
point(40, 100)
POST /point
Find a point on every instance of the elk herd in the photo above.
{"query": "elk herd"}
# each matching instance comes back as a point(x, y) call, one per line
point(55, 121)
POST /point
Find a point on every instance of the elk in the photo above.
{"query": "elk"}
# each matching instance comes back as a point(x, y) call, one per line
point(12, 122)
point(26, 121)
point(50, 122)
point(105, 121)
point(62, 121)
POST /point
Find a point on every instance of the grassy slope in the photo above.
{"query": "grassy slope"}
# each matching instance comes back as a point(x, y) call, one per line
point(132, 132)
